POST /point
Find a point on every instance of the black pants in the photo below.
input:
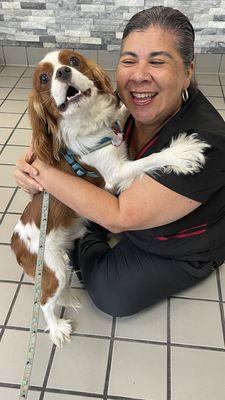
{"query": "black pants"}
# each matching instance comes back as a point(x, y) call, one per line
point(124, 279)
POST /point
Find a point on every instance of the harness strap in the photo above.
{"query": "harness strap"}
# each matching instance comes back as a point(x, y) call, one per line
point(105, 141)
point(78, 169)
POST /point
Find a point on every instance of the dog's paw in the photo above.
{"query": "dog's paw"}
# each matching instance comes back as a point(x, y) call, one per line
point(61, 333)
point(187, 151)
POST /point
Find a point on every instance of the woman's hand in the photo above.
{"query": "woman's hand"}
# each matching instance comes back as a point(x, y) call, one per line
point(23, 174)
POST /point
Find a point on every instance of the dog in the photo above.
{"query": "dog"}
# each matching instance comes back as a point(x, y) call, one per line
point(72, 106)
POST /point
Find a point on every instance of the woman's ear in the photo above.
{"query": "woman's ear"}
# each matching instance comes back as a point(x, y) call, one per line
point(45, 137)
point(189, 73)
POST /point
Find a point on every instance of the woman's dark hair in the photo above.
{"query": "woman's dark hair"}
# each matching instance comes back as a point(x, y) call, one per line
point(171, 20)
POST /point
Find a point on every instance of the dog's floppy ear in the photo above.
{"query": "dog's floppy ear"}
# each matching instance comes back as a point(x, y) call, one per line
point(45, 138)
point(100, 78)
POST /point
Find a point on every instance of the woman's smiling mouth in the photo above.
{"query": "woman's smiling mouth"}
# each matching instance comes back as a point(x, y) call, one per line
point(143, 98)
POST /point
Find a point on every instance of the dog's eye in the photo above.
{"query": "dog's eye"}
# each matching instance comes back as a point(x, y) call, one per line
point(44, 78)
point(74, 62)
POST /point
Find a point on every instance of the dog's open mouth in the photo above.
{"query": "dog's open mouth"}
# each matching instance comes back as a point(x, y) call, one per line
point(73, 95)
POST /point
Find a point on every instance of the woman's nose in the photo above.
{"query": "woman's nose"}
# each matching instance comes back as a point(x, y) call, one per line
point(141, 72)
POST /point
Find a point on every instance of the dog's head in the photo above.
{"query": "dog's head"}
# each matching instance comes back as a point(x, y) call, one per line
point(64, 83)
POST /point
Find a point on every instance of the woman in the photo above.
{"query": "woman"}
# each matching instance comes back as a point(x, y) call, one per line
point(172, 226)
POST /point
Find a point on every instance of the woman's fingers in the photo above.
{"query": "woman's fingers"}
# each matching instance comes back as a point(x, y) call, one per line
point(22, 174)
point(26, 183)
point(23, 164)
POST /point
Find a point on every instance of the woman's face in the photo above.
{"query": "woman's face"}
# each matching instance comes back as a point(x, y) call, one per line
point(151, 75)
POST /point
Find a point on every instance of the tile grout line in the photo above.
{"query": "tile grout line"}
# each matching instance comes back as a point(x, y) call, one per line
point(195, 299)
point(8, 205)
point(13, 87)
point(9, 137)
point(49, 366)
point(223, 92)
point(66, 392)
point(147, 342)
point(221, 303)
point(22, 115)
point(168, 351)
point(11, 134)
point(11, 308)
point(109, 363)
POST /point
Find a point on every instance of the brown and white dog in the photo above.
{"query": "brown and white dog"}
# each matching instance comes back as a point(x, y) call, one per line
point(72, 105)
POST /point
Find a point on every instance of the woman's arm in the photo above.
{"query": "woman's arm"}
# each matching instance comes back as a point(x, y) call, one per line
point(145, 204)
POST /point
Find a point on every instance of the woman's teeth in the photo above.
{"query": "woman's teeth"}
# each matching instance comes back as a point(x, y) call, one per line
point(143, 95)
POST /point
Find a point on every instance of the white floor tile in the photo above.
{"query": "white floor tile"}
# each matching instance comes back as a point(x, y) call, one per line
point(146, 325)
point(11, 154)
point(13, 394)
point(14, 106)
point(197, 374)
point(54, 396)
point(8, 82)
point(5, 196)
point(4, 134)
point(21, 137)
point(19, 202)
point(19, 94)
point(217, 102)
point(212, 91)
point(9, 269)
point(206, 79)
point(9, 120)
point(6, 175)
point(139, 371)
point(89, 320)
point(25, 122)
point(207, 289)
point(29, 72)
point(7, 291)
point(13, 351)
point(196, 323)
point(7, 227)
point(22, 311)
point(24, 82)
point(12, 71)
point(85, 360)
point(4, 92)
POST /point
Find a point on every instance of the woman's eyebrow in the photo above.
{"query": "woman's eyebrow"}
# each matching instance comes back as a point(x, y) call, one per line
point(160, 53)
point(152, 54)
point(128, 53)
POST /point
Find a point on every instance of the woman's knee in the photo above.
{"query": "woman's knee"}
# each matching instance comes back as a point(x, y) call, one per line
point(114, 305)
point(113, 297)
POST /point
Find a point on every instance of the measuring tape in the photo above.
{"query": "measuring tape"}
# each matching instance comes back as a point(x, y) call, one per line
point(37, 296)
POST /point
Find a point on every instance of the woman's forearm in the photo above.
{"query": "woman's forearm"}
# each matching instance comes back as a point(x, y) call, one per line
point(80, 195)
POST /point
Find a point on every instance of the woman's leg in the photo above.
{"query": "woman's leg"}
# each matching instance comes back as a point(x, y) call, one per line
point(124, 279)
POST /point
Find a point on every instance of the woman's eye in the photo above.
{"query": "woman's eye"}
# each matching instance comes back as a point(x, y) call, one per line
point(156, 62)
point(128, 62)
point(74, 62)
point(44, 78)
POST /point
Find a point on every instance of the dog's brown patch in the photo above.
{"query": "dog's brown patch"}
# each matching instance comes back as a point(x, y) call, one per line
point(27, 260)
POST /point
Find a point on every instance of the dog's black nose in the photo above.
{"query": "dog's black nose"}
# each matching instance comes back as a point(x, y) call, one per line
point(63, 73)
